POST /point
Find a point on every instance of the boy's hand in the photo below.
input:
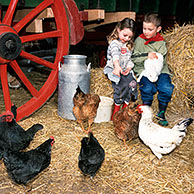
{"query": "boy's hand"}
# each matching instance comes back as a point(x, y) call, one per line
point(126, 72)
point(117, 69)
point(152, 56)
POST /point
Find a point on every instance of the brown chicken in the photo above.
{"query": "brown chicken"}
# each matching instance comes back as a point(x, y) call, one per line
point(85, 107)
point(126, 122)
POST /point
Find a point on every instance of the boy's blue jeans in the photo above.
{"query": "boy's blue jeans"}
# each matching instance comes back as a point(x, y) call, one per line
point(163, 86)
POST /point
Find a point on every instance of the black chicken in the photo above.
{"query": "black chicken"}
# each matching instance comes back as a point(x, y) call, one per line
point(91, 155)
point(23, 166)
point(14, 136)
point(1, 149)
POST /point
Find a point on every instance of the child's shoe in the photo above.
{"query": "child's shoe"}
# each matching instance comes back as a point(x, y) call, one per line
point(162, 120)
point(161, 115)
point(116, 109)
point(124, 105)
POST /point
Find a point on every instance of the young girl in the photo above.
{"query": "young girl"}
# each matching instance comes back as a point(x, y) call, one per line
point(119, 65)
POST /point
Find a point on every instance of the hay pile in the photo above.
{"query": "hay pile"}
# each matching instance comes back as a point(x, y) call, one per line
point(180, 43)
point(100, 84)
point(132, 170)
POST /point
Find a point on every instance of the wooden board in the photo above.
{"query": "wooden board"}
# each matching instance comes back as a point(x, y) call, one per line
point(95, 14)
point(36, 25)
point(47, 13)
point(111, 17)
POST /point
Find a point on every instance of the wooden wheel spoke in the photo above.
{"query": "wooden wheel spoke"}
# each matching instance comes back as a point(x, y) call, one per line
point(33, 37)
point(5, 88)
point(32, 14)
point(24, 79)
point(10, 11)
point(37, 60)
point(40, 89)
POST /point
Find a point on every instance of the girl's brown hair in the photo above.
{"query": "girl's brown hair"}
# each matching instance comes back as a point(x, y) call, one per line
point(125, 23)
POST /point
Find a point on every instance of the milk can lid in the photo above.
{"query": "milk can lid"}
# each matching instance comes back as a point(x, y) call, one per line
point(74, 56)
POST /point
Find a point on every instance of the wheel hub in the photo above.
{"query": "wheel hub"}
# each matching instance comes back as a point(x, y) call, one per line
point(10, 46)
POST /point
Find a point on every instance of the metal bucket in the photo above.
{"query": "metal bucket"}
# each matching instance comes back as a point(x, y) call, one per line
point(72, 73)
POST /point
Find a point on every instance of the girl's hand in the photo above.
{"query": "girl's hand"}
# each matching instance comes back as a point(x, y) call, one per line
point(126, 72)
point(152, 56)
point(117, 69)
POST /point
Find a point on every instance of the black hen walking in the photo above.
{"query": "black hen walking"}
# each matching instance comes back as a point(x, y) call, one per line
point(91, 155)
point(14, 136)
point(23, 166)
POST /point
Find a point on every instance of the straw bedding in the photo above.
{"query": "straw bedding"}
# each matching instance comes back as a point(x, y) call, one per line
point(125, 170)
point(180, 42)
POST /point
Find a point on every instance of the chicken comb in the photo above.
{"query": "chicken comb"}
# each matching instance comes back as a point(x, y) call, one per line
point(138, 109)
point(6, 117)
point(53, 140)
point(139, 105)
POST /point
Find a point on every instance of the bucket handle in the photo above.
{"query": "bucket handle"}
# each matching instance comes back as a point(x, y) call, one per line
point(89, 67)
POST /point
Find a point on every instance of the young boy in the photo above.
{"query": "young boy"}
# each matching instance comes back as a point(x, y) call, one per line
point(146, 46)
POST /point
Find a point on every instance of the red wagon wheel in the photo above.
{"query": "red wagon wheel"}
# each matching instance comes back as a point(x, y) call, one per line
point(12, 39)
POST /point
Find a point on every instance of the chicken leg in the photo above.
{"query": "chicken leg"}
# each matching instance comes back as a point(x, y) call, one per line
point(90, 121)
point(82, 126)
point(124, 141)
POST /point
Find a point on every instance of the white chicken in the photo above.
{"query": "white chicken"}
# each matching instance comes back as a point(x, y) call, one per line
point(152, 68)
point(159, 139)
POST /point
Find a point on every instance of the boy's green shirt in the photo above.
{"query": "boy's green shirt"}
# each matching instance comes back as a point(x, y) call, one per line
point(140, 54)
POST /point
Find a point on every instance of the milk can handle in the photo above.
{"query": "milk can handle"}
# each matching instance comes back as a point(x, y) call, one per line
point(89, 67)
point(59, 65)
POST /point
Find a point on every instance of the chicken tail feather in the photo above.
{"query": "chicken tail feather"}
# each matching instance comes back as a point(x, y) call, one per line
point(183, 125)
point(32, 130)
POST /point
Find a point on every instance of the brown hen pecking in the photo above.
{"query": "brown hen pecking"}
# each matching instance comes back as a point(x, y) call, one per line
point(85, 107)
point(126, 122)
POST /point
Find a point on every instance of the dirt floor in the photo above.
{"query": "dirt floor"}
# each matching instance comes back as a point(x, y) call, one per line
point(125, 170)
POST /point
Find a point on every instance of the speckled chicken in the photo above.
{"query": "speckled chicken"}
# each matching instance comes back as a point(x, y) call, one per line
point(85, 107)
point(126, 122)
point(91, 155)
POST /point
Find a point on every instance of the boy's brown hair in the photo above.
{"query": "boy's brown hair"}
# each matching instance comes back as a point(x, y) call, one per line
point(153, 17)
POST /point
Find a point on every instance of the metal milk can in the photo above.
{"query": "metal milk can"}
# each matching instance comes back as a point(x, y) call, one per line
point(72, 73)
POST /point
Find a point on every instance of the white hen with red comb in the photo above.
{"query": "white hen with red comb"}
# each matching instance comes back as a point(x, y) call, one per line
point(159, 139)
